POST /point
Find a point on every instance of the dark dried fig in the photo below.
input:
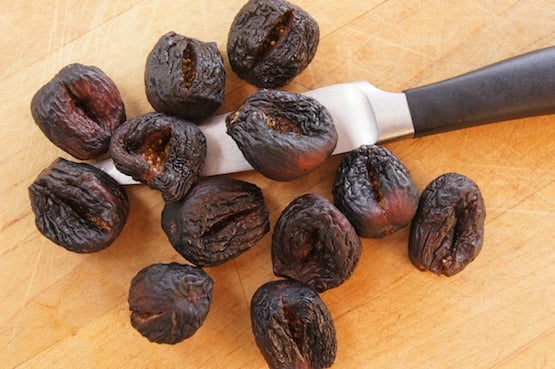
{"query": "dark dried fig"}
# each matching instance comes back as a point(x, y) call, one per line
point(164, 152)
point(78, 206)
point(282, 134)
point(169, 302)
point(447, 231)
point(219, 219)
point(185, 77)
point(313, 242)
point(78, 110)
point(271, 41)
point(375, 191)
point(292, 326)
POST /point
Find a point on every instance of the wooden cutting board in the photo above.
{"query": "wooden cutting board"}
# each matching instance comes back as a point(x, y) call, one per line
point(63, 310)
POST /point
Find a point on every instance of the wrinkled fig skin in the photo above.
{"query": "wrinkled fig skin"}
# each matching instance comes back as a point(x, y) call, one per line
point(314, 243)
point(292, 326)
point(164, 152)
point(78, 206)
point(375, 191)
point(271, 41)
point(283, 135)
point(219, 219)
point(447, 231)
point(78, 110)
point(185, 77)
point(169, 302)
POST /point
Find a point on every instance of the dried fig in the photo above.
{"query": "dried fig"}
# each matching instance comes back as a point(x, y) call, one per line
point(375, 191)
point(313, 242)
point(292, 326)
point(447, 231)
point(78, 110)
point(219, 219)
point(271, 41)
point(169, 302)
point(281, 134)
point(185, 77)
point(78, 206)
point(164, 152)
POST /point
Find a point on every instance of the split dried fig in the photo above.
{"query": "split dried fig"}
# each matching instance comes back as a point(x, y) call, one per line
point(271, 41)
point(78, 110)
point(185, 77)
point(78, 206)
point(375, 191)
point(283, 135)
point(164, 152)
point(447, 231)
point(292, 326)
point(314, 243)
point(219, 219)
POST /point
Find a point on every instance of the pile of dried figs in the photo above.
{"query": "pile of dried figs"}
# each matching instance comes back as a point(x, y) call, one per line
point(315, 244)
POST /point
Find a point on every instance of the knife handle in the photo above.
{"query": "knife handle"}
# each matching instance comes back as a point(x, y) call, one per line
point(519, 87)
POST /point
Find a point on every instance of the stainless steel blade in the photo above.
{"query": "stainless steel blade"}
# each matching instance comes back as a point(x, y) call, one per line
point(356, 108)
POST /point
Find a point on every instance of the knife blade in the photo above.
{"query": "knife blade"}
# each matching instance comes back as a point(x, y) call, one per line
point(522, 86)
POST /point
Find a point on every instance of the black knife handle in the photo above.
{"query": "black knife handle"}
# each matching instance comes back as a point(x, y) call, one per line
point(519, 87)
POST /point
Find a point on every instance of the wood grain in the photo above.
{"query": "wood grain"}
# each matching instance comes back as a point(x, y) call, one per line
point(62, 310)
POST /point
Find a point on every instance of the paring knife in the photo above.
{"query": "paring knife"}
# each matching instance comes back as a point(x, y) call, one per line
point(522, 86)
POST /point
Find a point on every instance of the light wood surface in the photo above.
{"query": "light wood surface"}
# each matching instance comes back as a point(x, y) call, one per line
point(63, 310)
